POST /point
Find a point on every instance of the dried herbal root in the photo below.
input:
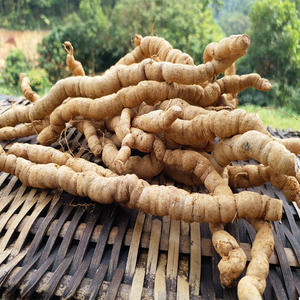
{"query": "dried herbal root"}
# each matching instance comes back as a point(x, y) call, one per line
point(231, 97)
point(193, 162)
point(215, 124)
point(45, 155)
point(233, 260)
point(144, 167)
point(152, 46)
point(23, 130)
point(253, 285)
point(257, 146)
point(131, 138)
point(90, 130)
point(79, 86)
point(158, 120)
point(229, 46)
point(74, 65)
point(157, 46)
point(137, 193)
point(292, 144)
point(182, 176)
point(189, 111)
point(257, 175)
point(27, 91)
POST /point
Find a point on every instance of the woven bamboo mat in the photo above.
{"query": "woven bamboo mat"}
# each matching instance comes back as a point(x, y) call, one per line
point(54, 245)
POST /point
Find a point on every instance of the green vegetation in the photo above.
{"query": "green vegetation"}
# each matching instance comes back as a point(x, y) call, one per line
point(275, 117)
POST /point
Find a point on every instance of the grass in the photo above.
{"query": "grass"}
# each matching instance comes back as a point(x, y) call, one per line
point(275, 118)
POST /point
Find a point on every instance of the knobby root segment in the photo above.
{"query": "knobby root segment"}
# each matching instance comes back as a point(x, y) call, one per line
point(112, 81)
point(257, 146)
point(23, 130)
point(45, 155)
point(27, 91)
point(74, 65)
point(137, 193)
point(233, 260)
point(257, 175)
point(253, 285)
point(156, 48)
point(203, 128)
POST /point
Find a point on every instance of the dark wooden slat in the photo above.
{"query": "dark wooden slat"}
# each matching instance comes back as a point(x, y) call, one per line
point(28, 288)
point(84, 241)
point(78, 277)
point(7, 268)
point(293, 242)
point(269, 292)
point(38, 237)
point(98, 278)
point(216, 273)
point(285, 268)
point(277, 286)
point(98, 253)
point(16, 280)
point(52, 238)
point(117, 278)
point(65, 244)
point(115, 253)
point(230, 294)
point(289, 215)
point(207, 287)
point(297, 281)
point(59, 272)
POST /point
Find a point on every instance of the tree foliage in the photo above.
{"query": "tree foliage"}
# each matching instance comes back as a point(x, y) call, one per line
point(15, 63)
point(274, 50)
point(187, 25)
point(275, 40)
point(100, 39)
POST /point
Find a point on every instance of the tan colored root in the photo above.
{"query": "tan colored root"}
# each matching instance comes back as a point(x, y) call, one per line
point(23, 130)
point(189, 111)
point(74, 65)
point(221, 104)
point(257, 175)
point(233, 260)
point(152, 45)
point(292, 144)
point(181, 176)
point(28, 93)
point(229, 46)
point(132, 138)
point(193, 162)
point(90, 130)
point(137, 193)
point(158, 120)
point(122, 76)
point(144, 167)
point(257, 146)
point(253, 285)
point(45, 155)
point(215, 124)
point(79, 86)
point(231, 97)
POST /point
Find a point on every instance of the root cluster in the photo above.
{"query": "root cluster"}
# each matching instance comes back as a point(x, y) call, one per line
point(156, 100)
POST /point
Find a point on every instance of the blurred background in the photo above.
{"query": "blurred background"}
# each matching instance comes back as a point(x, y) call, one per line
point(32, 31)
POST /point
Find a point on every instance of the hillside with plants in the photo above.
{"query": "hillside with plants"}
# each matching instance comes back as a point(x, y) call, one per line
point(102, 32)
